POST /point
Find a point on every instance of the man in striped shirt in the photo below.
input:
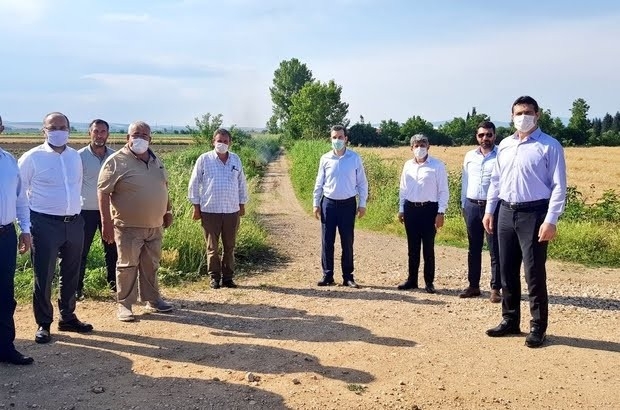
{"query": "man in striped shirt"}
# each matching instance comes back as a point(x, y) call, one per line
point(218, 191)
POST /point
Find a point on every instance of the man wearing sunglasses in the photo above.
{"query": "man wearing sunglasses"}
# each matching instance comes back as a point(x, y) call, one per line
point(476, 177)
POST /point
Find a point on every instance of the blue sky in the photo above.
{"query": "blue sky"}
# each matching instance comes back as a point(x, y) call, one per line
point(167, 62)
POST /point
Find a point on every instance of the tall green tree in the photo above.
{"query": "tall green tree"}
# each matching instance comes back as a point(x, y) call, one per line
point(615, 125)
point(314, 109)
point(290, 77)
point(391, 129)
point(607, 123)
point(415, 125)
point(578, 122)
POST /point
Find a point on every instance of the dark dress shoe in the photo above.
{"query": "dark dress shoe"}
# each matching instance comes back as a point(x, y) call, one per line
point(75, 325)
point(351, 284)
point(15, 357)
point(42, 335)
point(215, 284)
point(503, 329)
point(408, 285)
point(536, 338)
point(326, 282)
point(430, 288)
point(470, 293)
point(229, 284)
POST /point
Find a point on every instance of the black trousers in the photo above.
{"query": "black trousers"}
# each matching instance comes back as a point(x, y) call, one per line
point(473, 214)
point(52, 238)
point(8, 258)
point(518, 243)
point(92, 223)
point(337, 215)
point(420, 229)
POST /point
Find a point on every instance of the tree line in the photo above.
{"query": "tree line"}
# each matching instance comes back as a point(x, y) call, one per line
point(305, 108)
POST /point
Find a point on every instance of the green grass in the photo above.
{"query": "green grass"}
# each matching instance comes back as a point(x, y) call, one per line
point(183, 245)
point(587, 234)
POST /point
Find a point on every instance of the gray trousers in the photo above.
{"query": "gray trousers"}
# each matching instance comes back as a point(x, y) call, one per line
point(53, 238)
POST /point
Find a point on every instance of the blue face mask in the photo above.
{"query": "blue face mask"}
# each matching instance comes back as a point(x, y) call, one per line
point(337, 144)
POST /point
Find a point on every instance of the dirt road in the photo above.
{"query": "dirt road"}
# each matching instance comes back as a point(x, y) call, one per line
point(279, 341)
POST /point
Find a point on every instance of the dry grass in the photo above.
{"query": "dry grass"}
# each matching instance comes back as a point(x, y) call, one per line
point(591, 169)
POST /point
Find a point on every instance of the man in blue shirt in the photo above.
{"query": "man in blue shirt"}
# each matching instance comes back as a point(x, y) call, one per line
point(529, 186)
point(340, 179)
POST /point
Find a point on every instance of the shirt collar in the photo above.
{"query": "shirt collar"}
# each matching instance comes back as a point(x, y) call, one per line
point(534, 135)
point(493, 151)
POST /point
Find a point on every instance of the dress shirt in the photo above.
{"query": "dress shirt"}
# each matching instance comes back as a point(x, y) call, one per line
point(52, 181)
point(529, 170)
point(476, 176)
point(218, 187)
point(13, 201)
point(424, 182)
point(341, 178)
point(91, 165)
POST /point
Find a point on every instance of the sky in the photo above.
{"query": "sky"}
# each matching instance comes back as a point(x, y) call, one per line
point(169, 61)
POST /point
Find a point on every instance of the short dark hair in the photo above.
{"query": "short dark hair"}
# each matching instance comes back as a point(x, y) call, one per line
point(99, 122)
point(222, 131)
point(487, 125)
point(339, 127)
point(526, 99)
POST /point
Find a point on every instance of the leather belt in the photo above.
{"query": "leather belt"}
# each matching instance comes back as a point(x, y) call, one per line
point(5, 228)
point(480, 202)
point(419, 204)
point(521, 206)
point(63, 218)
point(341, 200)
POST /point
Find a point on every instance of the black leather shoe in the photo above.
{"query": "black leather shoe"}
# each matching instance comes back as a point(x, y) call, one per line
point(326, 282)
point(229, 284)
point(43, 335)
point(351, 284)
point(503, 329)
point(408, 285)
point(536, 338)
point(75, 325)
point(215, 284)
point(15, 357)
point(430, 288)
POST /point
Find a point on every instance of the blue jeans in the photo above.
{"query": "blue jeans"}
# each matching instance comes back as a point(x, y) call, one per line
point(337, 215)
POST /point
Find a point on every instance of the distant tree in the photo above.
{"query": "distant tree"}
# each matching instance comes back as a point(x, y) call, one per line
point(597, 127)
point(205, 127)
point(390, 129)
point(578, 122)
point(415, 125)
point(272, 125)
point(615, 125)
point(545, 121)
point(314, 109)
point(288, 79)
point(607, 122)
point(367, 135)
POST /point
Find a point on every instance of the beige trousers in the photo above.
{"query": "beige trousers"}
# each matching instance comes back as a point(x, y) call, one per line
point(139, 252)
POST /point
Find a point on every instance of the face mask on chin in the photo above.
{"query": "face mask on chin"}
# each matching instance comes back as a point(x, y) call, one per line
point(139, 146)
point(524, 123)
point(58, 138)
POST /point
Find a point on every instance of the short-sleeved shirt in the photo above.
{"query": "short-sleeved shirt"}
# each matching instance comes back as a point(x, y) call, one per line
point(138, 190)
point(91, 165)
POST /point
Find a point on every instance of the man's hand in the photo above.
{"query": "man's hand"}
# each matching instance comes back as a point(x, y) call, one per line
point(401, 217)
point(241, 209)
point(107, 231)
point(361, 212)
point(546, 232)
point(196, 213)
point(25, 243)
point(317, 212)
point(487, 222)
point(167, 219)
point(439, 220)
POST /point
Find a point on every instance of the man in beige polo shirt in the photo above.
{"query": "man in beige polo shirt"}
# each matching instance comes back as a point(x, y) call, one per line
point(134, 204)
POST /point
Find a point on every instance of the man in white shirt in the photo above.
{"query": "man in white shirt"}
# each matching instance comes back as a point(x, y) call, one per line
point(52, 177)
point(340, 178)
point(423, 201)
point(218, 192)
point(13, 205)
point(93, 156)
point(477, 168)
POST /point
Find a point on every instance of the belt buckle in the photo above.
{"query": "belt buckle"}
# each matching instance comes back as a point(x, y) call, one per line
point(68, 219)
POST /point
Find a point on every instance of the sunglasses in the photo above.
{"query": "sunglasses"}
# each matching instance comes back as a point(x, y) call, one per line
point(485, 134)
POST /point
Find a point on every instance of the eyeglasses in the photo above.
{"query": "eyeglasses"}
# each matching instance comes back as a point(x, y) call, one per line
point(485, 134)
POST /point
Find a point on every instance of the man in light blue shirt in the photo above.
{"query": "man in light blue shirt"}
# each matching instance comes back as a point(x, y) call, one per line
point(529, 186)
point(13, 205)
point(478, 165)
point(341, 177)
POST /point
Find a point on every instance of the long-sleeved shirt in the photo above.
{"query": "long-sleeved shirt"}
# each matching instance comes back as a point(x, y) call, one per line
point(91, 165)
point(341, 178)
point(13, 201)
point(476, 176)
point(52, 180)
point(529, 170)
point(424, 182)
point(218, 187)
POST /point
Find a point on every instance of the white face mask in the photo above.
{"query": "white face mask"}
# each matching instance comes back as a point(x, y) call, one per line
point(221, 148)
point(524, 123)
point(58, 138)
point(139, 146)
point(420, 152)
